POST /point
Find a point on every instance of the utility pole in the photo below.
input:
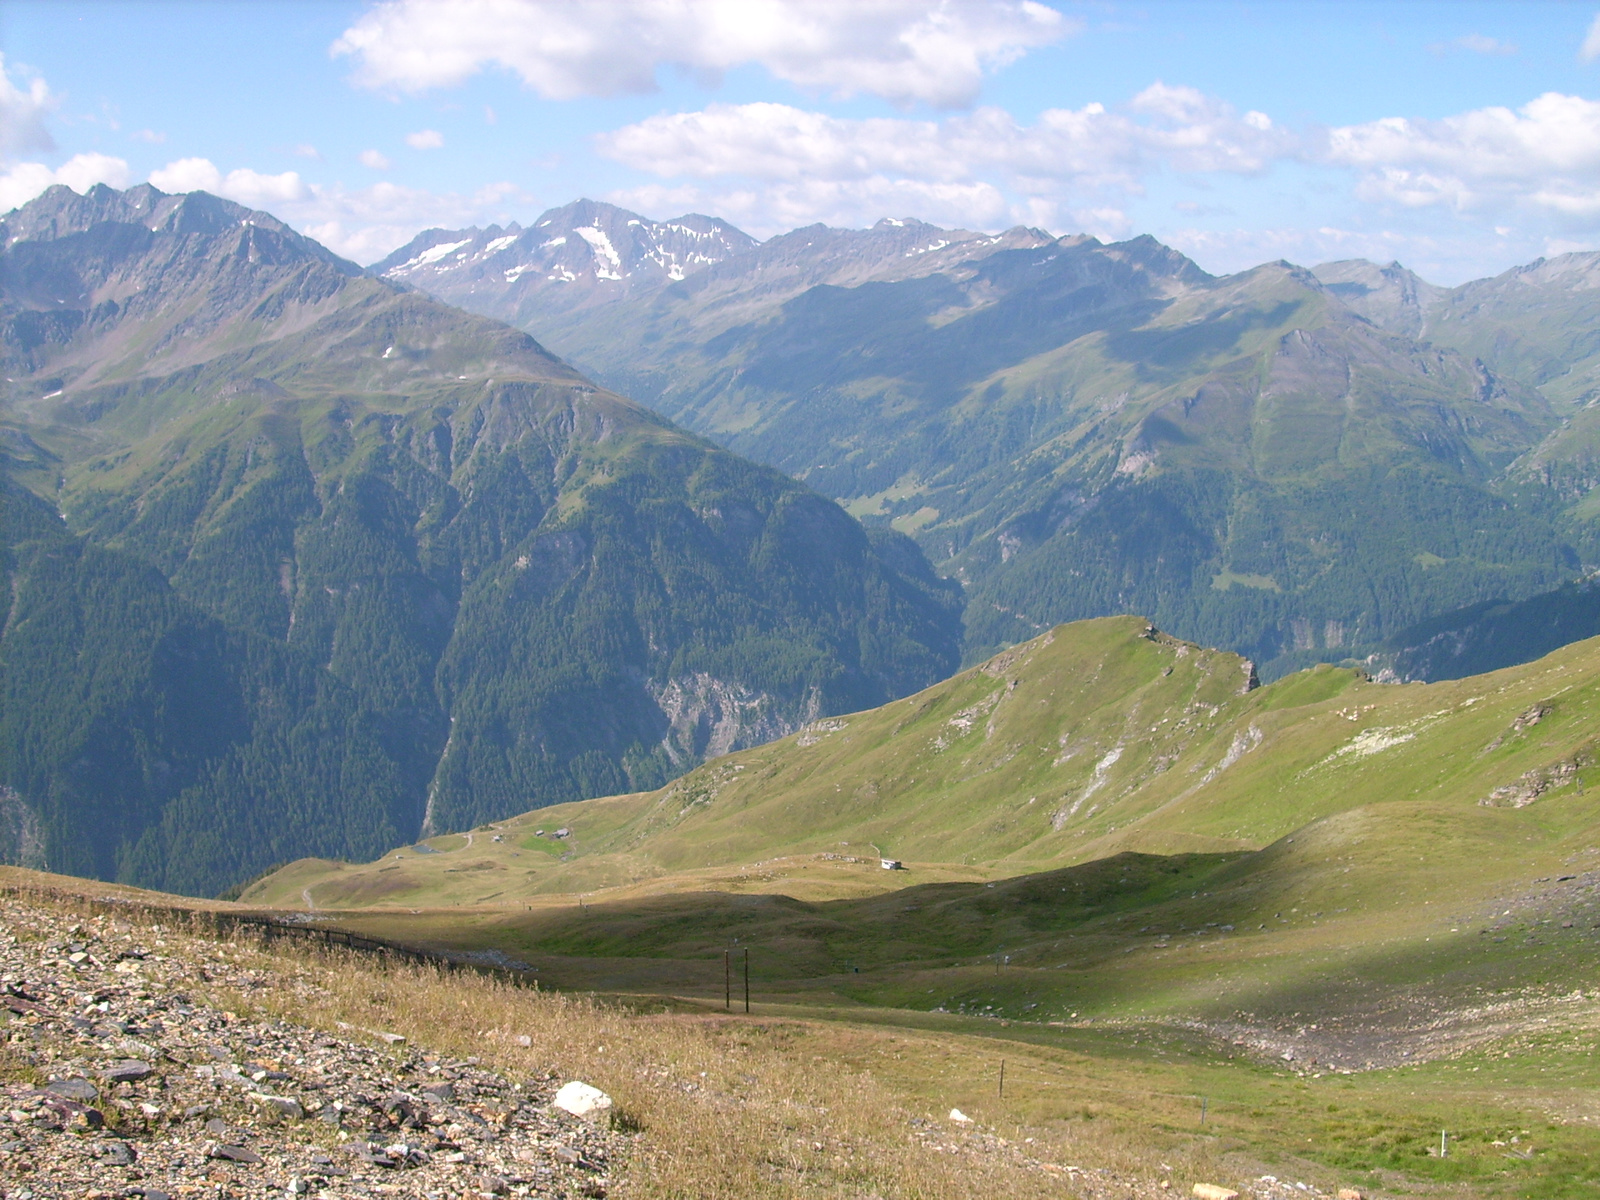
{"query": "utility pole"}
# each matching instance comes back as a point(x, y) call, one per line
point(747, 979)
point(727, 981)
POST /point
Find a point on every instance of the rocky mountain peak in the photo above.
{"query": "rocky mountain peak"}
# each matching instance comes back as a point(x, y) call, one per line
point(583, 253)
point(1392, 297)
point(140, 281)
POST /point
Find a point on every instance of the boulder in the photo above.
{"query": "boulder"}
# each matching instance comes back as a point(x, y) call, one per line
point(959, 1117)
point(1210, 1191)
point(233, 1154)
point(74, 1089)
point(582, 1100)
point(117, 1154)
point(129, 1070)
point(279, 1106)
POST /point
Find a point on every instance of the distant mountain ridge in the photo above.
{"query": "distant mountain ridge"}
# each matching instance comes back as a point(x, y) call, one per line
point(341, 563)
point(589, 254)
point(1296, 464)
point(585, 248)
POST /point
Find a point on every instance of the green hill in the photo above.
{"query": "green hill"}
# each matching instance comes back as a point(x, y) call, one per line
point(1099, 738)
point(377, 514)
point(1104, 828)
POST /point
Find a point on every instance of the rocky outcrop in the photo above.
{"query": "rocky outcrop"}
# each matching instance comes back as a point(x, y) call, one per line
point(21, 835)
point(708, 717)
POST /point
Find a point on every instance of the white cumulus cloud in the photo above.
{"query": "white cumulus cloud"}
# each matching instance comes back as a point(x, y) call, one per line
point(23, 181)
point(1093, 145)
point(1544, 156)
point(425, 139)
point(1590, 50)
point(374, 159)
point(22, 115)
point(244, 185)
point(933, 51)
point(365, 224)
point(982, 168)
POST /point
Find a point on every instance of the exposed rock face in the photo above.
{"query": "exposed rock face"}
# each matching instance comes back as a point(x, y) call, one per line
point(708, 717)
point(21, 836)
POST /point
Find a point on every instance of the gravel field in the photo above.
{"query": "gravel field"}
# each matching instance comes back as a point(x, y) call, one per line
point(119, 1081)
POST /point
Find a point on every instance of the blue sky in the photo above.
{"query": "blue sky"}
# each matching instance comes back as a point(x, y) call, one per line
point(1460, 138)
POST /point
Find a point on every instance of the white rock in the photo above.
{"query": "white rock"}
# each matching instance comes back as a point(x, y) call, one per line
point(283, 1106)
point(582, 1100)
point(960, 1117)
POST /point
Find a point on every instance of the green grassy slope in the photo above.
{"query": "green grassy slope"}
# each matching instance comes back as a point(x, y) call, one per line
point(1319, 876)
point(1100, 737)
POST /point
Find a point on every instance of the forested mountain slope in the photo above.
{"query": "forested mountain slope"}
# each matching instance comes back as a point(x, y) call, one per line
point(466, 578)
point(1271, 461)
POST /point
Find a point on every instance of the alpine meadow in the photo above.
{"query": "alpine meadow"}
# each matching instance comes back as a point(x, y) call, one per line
point(1040, 638)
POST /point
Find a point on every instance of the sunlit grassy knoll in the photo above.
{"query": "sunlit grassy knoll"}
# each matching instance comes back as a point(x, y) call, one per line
point(1352, 911)
point(1097, 738)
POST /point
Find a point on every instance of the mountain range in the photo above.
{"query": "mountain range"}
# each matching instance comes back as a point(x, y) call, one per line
point(1297, 464)
point(307, 558)
point(302, 560)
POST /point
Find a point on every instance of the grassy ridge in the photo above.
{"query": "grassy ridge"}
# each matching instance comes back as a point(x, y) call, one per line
point(855, 1102)
point(1347, 873)
point(1099, 737)
point(1319, 926)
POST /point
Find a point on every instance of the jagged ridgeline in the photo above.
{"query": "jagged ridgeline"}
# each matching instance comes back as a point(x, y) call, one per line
point(340, 564)
point(1295, 464)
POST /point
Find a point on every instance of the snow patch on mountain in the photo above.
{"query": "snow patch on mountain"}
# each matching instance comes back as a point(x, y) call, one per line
point(603, 249)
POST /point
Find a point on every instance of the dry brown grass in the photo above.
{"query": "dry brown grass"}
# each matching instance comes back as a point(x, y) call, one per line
point(734, 1106)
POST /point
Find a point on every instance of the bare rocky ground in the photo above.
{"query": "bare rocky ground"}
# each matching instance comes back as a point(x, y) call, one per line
point(117, 1081)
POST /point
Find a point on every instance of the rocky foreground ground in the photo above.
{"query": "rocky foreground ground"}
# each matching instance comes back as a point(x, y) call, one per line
point(118, 1081)
point(122, 1076)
